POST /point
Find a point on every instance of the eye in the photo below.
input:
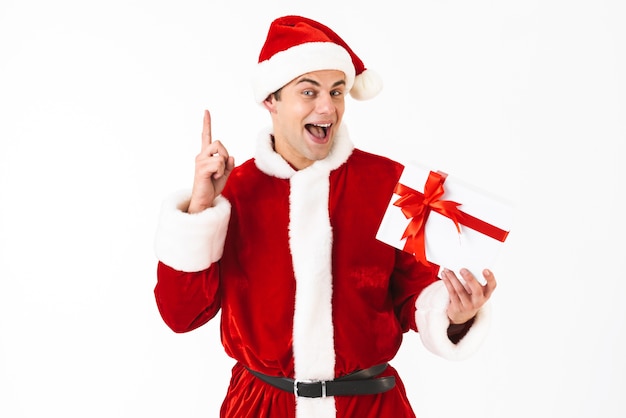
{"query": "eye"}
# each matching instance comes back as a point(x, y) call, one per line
point(308, 92)
point(336, 93)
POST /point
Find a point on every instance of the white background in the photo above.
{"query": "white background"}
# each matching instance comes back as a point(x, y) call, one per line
point(100, 116)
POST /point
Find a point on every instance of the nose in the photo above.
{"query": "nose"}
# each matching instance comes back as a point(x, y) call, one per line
point(325, 104)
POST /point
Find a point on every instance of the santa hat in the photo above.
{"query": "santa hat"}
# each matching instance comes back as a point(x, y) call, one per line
point(296, 45)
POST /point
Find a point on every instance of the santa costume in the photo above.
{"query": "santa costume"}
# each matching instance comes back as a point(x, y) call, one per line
point(307, 294)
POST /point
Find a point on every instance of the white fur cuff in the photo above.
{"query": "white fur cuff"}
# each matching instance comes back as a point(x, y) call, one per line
point(191, 242)
point(432, 324)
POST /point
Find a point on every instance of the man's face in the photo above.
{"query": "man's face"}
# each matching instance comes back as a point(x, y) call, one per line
point(307, 116)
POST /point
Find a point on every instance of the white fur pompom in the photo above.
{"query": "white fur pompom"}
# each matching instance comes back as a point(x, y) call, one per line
point(366, 85)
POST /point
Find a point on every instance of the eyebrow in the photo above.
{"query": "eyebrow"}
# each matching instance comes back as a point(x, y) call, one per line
point(315, 83)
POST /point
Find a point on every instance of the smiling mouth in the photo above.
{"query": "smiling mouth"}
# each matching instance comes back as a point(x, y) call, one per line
point(318, 130)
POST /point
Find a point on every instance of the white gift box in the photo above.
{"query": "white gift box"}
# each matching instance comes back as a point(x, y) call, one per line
point(443, 243)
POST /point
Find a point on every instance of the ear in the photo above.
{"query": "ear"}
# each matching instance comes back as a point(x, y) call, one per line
point(270, 103)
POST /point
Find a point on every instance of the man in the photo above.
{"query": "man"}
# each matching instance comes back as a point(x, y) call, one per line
point(313, 306)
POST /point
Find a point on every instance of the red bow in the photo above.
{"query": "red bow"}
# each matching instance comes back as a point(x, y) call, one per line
point(417, 206)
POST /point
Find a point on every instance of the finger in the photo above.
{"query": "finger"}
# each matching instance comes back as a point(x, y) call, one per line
point(446, 282)
point(472, 285)
point(456, 291)
point(206, 167)
point(219, 149)
point(206, 130)
point(460, 283)
point(230, 165)
point(223, 167)
point(491, 282)
point(219, 171)
point(220, 166)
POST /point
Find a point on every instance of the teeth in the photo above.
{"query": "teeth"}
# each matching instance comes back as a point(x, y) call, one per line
point(322, 125)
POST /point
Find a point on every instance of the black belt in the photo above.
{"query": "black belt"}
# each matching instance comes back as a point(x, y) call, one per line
point(361, 382)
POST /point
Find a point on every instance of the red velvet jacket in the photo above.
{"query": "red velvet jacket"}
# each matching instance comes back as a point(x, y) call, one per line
point(306, 290)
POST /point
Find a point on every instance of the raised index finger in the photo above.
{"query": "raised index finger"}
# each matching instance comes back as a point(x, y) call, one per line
point(206, 130)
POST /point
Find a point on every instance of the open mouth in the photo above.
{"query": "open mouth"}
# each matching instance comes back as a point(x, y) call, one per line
point(318, 130)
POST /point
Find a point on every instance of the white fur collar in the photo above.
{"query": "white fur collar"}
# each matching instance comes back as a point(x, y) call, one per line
point(271, 163)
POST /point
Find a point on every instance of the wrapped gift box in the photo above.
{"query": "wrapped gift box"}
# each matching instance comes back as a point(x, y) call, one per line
point(482, 224)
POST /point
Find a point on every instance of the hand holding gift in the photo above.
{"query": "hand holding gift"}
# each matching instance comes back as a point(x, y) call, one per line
point(466, 296)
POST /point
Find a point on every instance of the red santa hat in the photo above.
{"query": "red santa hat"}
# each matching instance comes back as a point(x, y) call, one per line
point(296, 45)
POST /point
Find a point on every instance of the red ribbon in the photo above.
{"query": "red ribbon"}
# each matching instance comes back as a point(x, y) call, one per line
point(417, 206)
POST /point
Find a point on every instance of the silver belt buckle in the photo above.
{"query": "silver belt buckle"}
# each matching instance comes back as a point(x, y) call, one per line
point(295, 387)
